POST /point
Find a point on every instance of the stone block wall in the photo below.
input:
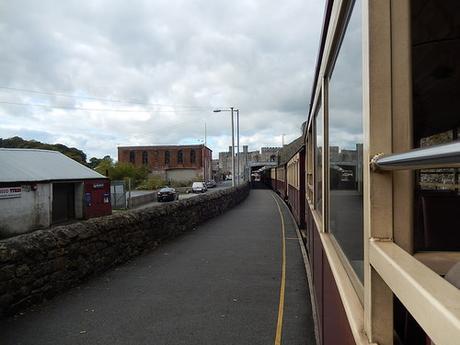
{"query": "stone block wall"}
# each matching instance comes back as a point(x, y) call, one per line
point(40, 265)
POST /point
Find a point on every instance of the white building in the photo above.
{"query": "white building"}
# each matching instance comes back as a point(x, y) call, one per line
point(39, 188)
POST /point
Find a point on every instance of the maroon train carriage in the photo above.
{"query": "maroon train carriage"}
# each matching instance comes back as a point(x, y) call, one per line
point(296, 186)
point(280, 186)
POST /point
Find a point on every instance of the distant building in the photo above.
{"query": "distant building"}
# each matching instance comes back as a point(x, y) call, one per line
point(171, 162)
point(39, 188)
point(215, 169)
point(269, 154)
point(247, 159)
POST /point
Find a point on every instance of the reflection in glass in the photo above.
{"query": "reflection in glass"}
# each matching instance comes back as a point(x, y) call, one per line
point(319, 159)
point(345, 146)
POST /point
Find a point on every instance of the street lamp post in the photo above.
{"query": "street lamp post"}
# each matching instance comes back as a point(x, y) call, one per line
point(233, 141)
point(238, 146)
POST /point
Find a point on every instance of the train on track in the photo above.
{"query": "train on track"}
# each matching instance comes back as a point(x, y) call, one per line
point(373, 183)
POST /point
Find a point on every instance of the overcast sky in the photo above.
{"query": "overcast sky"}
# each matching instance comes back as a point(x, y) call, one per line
point(150, 72)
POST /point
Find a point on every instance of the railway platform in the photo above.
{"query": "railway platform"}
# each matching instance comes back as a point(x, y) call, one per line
point(237, 279)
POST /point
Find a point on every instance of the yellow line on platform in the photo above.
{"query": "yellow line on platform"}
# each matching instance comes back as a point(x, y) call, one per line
point(279, 325)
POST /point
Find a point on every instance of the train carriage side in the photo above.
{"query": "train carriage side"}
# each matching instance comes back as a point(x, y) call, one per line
point(382, 223)
point(296, 186)
point(273, 178)
point(281, 181)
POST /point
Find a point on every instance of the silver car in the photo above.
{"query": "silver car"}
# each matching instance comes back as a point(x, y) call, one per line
point(199, 187)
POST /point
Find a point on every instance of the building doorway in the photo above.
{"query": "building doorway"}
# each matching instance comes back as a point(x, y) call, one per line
point(63, 202)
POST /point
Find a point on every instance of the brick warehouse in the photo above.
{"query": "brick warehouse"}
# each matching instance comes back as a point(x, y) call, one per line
point(171, 162)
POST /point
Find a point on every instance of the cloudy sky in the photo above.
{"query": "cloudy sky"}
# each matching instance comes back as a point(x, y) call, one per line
point(99, 74)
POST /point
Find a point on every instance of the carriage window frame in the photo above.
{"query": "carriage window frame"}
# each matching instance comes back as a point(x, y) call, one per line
point(309, 169)
point(357, 284)
point(318, 112)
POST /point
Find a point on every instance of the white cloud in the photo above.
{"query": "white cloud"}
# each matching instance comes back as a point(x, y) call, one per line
point(193, 55)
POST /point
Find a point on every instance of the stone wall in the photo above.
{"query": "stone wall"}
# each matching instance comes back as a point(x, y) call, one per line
point(39, 265)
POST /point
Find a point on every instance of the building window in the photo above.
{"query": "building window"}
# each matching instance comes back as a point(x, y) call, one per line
point(132, 157)
point(167, 158)
point(319, 159)
point(272, 158)
point(145, 158)
point(346, 146)
point(180, 157)
point(192, 156)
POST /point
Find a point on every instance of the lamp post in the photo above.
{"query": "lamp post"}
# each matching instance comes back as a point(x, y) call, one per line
point(233, 141)
point(238, 147)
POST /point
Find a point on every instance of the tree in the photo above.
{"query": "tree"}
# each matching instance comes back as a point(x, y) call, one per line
point(18, 142)
point(121, 171)
point(94, 162)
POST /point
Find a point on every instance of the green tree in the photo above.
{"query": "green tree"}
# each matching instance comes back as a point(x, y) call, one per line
point(122, 171)
point(18, 142)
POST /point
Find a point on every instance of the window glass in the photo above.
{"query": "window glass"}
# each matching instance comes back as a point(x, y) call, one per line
point(319, 159)
point(346, 145)
point(435, 53)
point(309, 167)
point(145, 158)
point(132, 157)
point(166, 157)
point(442, 178)
point(180, 157)
point(192, 156)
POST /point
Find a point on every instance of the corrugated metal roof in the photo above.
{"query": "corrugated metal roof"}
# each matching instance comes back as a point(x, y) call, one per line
point(31, 165)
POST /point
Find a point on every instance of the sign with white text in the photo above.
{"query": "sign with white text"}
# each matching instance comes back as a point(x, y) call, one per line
point(10, 192)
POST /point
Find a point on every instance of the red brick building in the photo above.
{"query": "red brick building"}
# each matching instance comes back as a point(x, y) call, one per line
point(171, 162)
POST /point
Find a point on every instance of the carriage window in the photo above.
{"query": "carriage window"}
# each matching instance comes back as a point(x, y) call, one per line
point(319, 160)
point(435, 34)
point(309, 166)
point(346, 146)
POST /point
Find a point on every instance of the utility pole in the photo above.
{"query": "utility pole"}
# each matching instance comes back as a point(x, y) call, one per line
point(233, 140)
point(238, 146)
point(205, 156)
point(233, 148)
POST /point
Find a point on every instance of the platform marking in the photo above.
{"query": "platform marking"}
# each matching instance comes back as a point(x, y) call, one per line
point(279, 325)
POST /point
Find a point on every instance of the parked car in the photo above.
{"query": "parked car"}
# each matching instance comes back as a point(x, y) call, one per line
point(199, 187)
point(211, 184)
point(167, 194)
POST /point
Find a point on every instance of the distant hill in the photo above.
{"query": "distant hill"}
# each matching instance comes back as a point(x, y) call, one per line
point(19, 143)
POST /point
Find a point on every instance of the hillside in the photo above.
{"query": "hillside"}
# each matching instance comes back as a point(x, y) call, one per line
point(18, 142)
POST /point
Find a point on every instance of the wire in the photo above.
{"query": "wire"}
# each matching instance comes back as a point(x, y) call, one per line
point(97, 98)
point(99, 109)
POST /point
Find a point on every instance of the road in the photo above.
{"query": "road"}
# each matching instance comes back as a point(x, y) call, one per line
point(220, 284)
point(220, 186)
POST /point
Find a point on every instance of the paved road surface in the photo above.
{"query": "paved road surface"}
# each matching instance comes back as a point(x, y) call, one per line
point(219, 284)
point(220, 186)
